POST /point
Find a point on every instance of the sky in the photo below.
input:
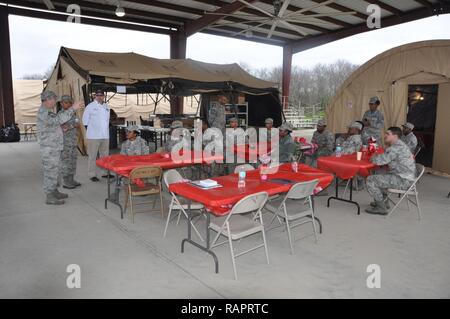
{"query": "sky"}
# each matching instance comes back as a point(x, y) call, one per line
point(35, 44)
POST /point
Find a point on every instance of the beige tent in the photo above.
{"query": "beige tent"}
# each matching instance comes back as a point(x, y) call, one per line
point(27, 102)
point(389, 76)
point(79, 73)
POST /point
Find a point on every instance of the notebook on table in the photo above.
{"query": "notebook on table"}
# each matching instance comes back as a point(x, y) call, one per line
point(206, 184)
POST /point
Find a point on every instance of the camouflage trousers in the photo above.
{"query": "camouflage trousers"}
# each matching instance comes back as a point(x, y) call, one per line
point(51, 159)
point(378, 184)
point(69, 160)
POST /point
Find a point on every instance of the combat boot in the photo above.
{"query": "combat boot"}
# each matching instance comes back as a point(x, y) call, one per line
point(53, 200)
point(59, 195)
point(379, 209)
point(68, 182)
point(74, 182)
point(386, 203)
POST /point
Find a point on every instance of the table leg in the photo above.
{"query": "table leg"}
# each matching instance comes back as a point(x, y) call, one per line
point(115, 198)
point(350, 200)
point(208, 244)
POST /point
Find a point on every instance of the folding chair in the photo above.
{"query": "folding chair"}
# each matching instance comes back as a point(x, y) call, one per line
point(243, 168)
point(170, 177)
point(411, 191)
point(417, 151)
point(235, 226)
point(299, 194)
point(149, 178)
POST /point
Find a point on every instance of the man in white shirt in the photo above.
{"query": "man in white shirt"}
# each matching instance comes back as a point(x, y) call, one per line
point(96, 118)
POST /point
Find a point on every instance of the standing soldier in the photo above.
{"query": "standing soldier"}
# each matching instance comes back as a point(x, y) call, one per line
point(373, 121)
point(216, 114)
point(50, 139)
point(69, 154)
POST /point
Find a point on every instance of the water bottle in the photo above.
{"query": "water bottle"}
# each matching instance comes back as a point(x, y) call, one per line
point(294, 165)
point(241, 182)
point(338, 150)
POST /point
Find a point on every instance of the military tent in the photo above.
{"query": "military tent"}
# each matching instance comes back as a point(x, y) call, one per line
point(413, 83)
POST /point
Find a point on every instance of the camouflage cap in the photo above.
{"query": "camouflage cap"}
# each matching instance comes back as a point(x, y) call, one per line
point(321, 123)
point(268, 120)
point(176, 124)
point(356, 125)
point(66, 98)
point(133, 128)
point(233, 119)
point(286, 126)
point(374, 100)
point(409, 125)
point(47, 95)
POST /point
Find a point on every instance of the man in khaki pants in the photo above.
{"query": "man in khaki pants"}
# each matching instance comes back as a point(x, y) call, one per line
point(96, 118)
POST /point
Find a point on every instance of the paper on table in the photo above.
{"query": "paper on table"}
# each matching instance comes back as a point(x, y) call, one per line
point(207, 183)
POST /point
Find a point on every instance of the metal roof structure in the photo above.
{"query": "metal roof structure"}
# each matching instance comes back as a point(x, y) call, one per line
point(295, 25)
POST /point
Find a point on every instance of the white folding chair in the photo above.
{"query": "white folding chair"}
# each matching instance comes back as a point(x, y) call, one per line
point(243, 168)
point(300, 196)
point(170, 177)
point(236, 225)
point(411, 191)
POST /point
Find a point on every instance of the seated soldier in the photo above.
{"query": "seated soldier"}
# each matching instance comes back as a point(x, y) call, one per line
point(354, 142)
point(287, 145)
point(324, 140)
point(400, 175)
point(134, 145)
point(177, 135)
point(408, 137)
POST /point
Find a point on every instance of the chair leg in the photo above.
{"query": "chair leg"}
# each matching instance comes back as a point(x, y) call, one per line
point(162, 204)
point(419, 210)
point(407, 202)
point(168, 218)
point(264, 239)
point(131, 207)
point(230, 241)
point(314, 227)
point(288, 229)
point(126, 202)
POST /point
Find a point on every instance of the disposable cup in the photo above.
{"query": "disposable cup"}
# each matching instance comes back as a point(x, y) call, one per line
point(358, 156)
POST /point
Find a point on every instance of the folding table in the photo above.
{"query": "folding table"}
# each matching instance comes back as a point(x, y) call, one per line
point(346, 168)
point(218, 201)
point(122, 165)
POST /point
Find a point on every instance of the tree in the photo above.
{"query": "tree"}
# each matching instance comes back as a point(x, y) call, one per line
point(39, 76)
point(312, 88)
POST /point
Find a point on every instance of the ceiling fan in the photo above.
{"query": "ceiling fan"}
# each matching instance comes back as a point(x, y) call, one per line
point(280, 17)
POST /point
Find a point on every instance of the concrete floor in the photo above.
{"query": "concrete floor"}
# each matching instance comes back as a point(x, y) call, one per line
point(119, 259)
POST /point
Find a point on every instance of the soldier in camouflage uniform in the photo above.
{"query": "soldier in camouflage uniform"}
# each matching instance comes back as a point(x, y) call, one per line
point(408, 137)
point(400, 175)
point(287, 146)
point(134, 145)
point(373, 121)
point(177, 135)
point(50, 139)
point(353, 143)
point(324, 140)
point(216, 114)
point(70, 150)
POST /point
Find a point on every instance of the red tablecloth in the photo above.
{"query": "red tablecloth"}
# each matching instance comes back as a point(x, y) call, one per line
point(124, 164)
point(220, 200)
point(346, 166)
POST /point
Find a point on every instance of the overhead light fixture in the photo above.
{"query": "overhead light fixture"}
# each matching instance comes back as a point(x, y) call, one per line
point(120, 11)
